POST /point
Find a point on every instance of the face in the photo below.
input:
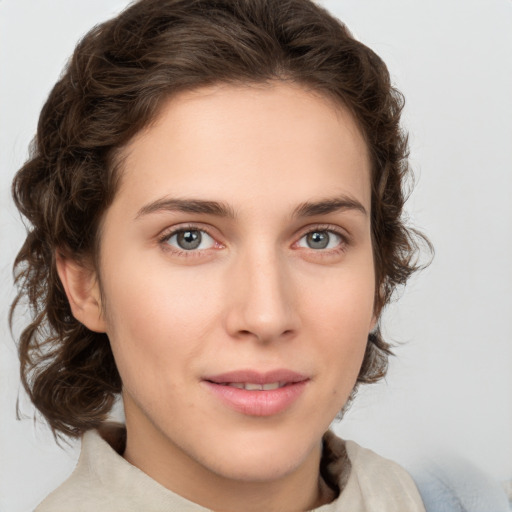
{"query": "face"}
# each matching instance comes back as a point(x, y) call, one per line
point(237, 273)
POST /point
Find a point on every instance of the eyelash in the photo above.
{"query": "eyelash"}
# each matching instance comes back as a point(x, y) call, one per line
point(327, 228)
point(167, 235)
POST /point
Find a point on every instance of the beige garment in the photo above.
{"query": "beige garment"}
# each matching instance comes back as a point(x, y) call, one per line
point(104, 482)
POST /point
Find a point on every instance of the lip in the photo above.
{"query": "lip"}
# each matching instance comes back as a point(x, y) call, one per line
point(261, 402)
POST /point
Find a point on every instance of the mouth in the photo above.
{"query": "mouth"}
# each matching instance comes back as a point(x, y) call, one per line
point(251, 386)
point(257, 393)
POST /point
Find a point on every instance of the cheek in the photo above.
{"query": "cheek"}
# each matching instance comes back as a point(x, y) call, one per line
point(343, 353)
point(156, 322)
point(340, 320)
point(343, 301)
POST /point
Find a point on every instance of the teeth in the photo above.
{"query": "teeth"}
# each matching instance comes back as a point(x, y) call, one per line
point(253, 387)
point(272, 385)
point(249, 386)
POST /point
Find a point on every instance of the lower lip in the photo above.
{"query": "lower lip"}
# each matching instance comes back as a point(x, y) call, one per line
point(258, 403)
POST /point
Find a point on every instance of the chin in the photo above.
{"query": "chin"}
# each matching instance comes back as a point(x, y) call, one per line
point(246, 469)
point(262, 458)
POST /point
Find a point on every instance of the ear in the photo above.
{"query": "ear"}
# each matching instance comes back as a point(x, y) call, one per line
point(82, 290)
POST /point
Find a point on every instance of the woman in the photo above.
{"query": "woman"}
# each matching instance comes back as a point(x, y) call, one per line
point(215, 199)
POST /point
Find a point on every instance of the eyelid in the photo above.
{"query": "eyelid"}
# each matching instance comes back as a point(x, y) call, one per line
point(169, 232)
point(330, 228)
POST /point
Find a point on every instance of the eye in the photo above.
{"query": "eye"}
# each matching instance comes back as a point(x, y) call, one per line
point(320, 239)
point(190, 240)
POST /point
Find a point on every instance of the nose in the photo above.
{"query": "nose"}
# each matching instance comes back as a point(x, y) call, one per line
point(261, 303)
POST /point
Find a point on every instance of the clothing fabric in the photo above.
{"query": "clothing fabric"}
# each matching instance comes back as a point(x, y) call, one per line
point(450, 483)
point(105, 482)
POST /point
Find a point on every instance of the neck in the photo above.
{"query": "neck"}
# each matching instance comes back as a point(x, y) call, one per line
point(156, 455)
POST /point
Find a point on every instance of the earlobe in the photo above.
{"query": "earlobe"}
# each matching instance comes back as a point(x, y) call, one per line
point(82, 290)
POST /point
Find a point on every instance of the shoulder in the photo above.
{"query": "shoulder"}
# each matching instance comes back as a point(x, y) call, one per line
point(383, 483)
point(103, 481)
point(367, 462)
point(69, 495)
point(374, 483)
point(99, 479)
point(372, 469)
point(80, 486)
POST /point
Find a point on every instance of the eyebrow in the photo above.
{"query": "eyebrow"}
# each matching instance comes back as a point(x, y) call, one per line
point(219, 209)
point(325, 206)
point(187, 206)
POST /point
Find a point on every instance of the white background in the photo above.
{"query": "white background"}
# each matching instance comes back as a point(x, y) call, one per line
point(449, 390)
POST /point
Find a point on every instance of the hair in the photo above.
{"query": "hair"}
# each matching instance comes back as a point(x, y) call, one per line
point(118, 77)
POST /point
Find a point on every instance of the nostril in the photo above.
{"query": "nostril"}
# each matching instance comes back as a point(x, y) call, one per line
point(247, 333)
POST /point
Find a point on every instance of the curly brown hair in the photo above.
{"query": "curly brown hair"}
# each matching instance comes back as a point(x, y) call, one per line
point(118, 77)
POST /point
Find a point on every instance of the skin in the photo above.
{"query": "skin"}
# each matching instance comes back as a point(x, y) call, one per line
point(253, 295)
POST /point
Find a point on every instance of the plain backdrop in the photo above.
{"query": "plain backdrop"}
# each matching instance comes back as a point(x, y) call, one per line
point(449, 388)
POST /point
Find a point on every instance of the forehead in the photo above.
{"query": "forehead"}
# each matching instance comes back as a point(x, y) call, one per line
point(272, 140)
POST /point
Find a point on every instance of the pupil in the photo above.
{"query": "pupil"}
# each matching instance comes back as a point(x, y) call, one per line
point(189, 240)
point(318, 240)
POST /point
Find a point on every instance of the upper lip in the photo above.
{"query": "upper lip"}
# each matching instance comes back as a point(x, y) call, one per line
point(257, 377)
